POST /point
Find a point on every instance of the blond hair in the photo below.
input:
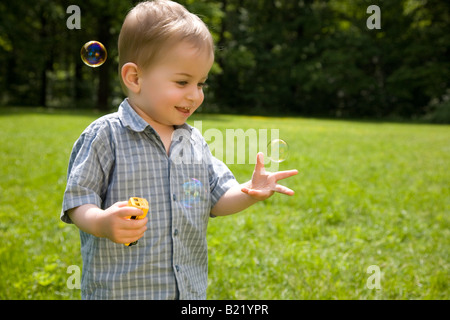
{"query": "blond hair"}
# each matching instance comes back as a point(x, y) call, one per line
point(152, 26)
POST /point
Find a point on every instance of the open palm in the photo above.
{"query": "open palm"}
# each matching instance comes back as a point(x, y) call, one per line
point(265, 184)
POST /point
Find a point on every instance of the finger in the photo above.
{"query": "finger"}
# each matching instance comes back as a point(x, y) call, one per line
point(255, 193)
point(259, 194)
point(249, 191)
point(131, 224)
point(245, 190)
point(280, 175)
point(121, 204)
point(127, 211)
point(129, 238)
point(284, 190)
point(259, 167)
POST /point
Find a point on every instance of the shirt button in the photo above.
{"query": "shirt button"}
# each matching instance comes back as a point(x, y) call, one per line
point(175, 232)
point(174, 197)
point(177, 268)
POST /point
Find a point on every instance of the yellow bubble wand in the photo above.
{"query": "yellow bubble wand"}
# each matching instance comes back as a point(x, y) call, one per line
point(139, 203)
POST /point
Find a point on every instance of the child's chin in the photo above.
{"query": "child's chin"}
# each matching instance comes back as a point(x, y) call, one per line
point(180, 122)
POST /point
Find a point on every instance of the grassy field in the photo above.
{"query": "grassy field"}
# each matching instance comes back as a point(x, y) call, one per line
point(367, 194)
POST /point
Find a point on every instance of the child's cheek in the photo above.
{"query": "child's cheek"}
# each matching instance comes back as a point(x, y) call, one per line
point(174, 96)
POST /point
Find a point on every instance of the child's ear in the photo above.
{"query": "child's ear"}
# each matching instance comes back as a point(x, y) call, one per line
point(130, 77)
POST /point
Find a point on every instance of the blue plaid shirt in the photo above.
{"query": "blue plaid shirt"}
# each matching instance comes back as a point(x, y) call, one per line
point(121, 156)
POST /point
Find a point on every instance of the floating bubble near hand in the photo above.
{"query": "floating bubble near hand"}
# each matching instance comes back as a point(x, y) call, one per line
point(277, 150)
point(193, 190)
point(93, 54)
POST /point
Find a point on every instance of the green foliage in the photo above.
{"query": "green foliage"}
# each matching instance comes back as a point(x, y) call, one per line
point(440, 109)
point(367, 193)
point(298, 57)
point(319, 58)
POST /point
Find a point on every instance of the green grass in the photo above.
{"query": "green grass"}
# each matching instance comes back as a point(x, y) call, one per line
point(367, 193)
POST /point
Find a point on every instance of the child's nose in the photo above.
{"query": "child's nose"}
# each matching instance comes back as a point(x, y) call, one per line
point(195, 94)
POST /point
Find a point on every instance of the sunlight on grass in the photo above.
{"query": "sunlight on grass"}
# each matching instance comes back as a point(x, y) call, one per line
point(366, 194)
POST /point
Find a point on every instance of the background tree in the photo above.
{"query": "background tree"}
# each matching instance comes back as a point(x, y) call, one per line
point(306, 57)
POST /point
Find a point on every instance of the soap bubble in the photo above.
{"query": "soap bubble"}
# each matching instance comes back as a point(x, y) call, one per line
point(277, 150)
point(192, 192)
point(93, 54)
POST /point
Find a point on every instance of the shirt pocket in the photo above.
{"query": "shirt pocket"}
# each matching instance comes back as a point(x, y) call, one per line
point(191, 187)
point(192, 183)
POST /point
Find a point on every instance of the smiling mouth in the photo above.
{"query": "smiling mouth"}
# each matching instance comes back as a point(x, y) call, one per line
point(184, 109)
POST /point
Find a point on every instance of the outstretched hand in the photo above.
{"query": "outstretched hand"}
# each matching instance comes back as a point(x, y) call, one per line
point(265, 184)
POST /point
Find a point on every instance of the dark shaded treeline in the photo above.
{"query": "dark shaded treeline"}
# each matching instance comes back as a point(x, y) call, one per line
point(273, 56)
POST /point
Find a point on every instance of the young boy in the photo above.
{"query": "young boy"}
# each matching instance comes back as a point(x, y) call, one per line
point(165, 54)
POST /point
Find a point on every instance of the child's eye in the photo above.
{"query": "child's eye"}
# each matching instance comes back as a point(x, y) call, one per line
point(185, 83)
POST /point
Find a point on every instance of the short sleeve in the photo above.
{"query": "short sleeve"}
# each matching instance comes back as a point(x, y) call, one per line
point(220, 179)
point(88, 172)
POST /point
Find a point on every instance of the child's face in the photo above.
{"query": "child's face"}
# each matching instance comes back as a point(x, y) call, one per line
point(172, 88)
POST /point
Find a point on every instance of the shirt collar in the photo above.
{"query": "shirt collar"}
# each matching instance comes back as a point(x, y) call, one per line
point(131, 120)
